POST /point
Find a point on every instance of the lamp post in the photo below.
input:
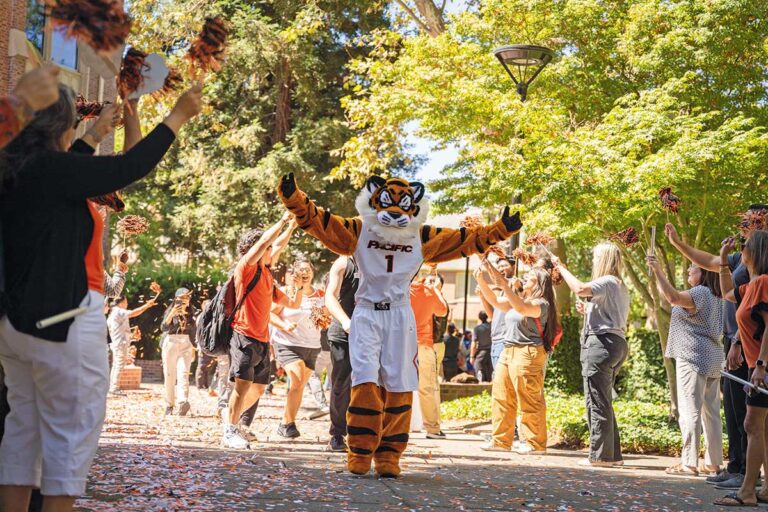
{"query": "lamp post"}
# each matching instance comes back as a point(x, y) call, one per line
point(523, 58)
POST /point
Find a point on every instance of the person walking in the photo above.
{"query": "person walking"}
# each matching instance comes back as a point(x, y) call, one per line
point(343, 280)
point(177, 350)
point(296, 341)
point(118, 324)
point(518, 383)
point(428, 302)
point(451, 357)
point(603, 348)
point(695, 333)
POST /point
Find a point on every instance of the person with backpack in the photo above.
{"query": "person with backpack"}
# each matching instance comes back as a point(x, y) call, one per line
point(603, 348)
point(531, 323)
point(255, 293)
point(177, 349)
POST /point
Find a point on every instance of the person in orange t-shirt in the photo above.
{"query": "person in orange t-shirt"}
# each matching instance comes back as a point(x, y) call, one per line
point(427, 302)
point(249, 348)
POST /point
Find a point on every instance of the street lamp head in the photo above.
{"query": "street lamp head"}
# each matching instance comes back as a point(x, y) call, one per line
point(525, 60)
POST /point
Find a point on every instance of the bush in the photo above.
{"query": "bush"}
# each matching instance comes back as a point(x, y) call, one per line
point(643, 376)
point(644, 426)
point(201, 280)
point(564, 368)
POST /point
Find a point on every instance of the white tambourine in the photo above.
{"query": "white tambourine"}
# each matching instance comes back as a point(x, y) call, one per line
point(154, 73)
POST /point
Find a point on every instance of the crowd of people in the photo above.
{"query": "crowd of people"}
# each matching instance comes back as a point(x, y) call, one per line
point(58, 378)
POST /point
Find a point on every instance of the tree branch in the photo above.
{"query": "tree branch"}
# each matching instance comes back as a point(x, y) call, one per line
point(442, 7)
point(413, 15)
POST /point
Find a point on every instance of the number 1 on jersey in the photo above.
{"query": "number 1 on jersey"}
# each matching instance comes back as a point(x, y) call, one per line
point(390, 262)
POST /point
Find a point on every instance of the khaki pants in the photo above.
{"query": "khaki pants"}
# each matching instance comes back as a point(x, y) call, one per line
point(699, 399)
point(177, 353)
point(518, 384)
point(429, 388)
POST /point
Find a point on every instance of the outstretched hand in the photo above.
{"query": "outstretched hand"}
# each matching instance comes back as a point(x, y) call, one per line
point(288, 185)
point(511, 222)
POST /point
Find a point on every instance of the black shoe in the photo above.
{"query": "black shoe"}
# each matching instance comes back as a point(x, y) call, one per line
point(168, 410)
point(337, 444)
point(290, 431)
point(436, 435)
point(183, 408)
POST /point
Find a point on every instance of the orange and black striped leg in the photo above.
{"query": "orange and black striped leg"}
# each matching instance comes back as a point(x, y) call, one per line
point(364, 420)
point(397, 424)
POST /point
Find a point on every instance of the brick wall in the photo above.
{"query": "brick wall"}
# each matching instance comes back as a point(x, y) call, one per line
point(450, 391)
point(151, 370)
point(14, 15)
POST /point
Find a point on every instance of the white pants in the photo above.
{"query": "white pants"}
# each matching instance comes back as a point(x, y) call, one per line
point(58, 397)
point(119, 354)
point(699, 402)
point(177, 353)
point(315, 383)
point(382, 347)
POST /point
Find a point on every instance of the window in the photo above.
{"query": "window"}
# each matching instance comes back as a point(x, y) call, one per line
point(53, 45)
point(460, 285)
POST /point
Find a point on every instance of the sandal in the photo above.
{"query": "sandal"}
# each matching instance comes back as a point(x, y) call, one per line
point(679, 469)
point(732, 500)
point(762, 498)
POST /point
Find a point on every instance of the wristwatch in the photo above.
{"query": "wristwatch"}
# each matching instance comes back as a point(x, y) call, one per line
point(760, 363)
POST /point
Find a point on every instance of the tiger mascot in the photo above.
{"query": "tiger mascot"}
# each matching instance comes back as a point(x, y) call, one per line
point(389, 241)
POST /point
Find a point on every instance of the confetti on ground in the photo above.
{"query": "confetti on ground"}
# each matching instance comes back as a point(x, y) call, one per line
point(151, 462)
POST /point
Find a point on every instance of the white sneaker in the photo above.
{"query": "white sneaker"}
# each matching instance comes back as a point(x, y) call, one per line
point(319, 413)
point(525, 449)
point(234, 439)
point(491, 447)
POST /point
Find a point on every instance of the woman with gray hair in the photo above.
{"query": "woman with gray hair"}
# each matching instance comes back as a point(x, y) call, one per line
point(57, 375)
point(603, 348)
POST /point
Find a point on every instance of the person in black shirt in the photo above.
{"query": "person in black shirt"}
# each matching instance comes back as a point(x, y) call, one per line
point(451, 358)
point(340, 301)
point(480, 350)
point(177, 349)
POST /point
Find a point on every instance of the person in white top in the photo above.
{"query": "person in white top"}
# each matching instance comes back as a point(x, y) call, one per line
point(296, 340)
point(120, 336)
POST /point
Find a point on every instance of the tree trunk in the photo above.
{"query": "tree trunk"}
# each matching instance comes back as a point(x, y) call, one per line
point(662, 323)
point(432, 15)
point(283, 104)
point(562, 292)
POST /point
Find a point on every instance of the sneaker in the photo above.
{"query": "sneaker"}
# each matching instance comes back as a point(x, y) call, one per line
point(168, 410)
point(436, 435)
point(722, 476)
point(183, 408)
point(491, 447)
point(234, 439)
point(337, 444)
point(319, 413)
point(731, 483)
point(289, 431)
point(526, 449)
point(224, 414)
point(268, 389)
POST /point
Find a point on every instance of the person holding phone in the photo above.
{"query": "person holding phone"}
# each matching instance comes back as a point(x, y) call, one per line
point(177, 350)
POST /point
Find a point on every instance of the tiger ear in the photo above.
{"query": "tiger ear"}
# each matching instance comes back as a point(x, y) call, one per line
point(374, 183)
point(418, 191)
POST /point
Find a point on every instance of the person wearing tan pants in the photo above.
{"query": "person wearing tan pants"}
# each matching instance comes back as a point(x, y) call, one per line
point(518, 382)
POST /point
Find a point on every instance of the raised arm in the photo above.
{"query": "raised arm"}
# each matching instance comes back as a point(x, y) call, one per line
point(339, 234)
point(335, 277)
point(672, 295)
point(265, 243)
point(578, 287)
point(726, 279)
point(133, 313)
point(131, 124)
point(698, 257)
point(515, 301)
point(488, 296)
point(35, 91)
point(444, 244)
point(282, 241)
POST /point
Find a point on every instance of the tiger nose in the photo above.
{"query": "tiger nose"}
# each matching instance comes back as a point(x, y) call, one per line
point(395, 215)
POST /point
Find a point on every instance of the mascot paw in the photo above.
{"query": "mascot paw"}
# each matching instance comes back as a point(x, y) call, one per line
point(511, 222)
point(387, 469)
point(359, 467)
point(288, 185)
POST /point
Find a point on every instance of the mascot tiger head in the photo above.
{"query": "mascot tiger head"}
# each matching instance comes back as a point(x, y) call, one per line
point(393, 208)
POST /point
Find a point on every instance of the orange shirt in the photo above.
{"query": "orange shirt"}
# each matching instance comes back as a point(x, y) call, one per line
point(425, 304)
point(94, 256)
point(252, 319)
point(754, 300)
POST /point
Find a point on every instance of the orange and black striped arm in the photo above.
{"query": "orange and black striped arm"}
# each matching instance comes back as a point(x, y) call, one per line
point(445, 244)
point(339, 234)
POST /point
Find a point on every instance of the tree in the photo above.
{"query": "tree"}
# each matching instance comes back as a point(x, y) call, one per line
point(273, 108)
point(641, 95)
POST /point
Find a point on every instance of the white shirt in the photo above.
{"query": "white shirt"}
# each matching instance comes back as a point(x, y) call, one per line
point(306, 334)
point(119, 325)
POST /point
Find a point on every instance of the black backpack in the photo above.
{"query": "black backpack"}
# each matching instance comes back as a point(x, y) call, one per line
point(215, 330)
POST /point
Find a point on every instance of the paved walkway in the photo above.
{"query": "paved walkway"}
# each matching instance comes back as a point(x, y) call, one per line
point(149, 462)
